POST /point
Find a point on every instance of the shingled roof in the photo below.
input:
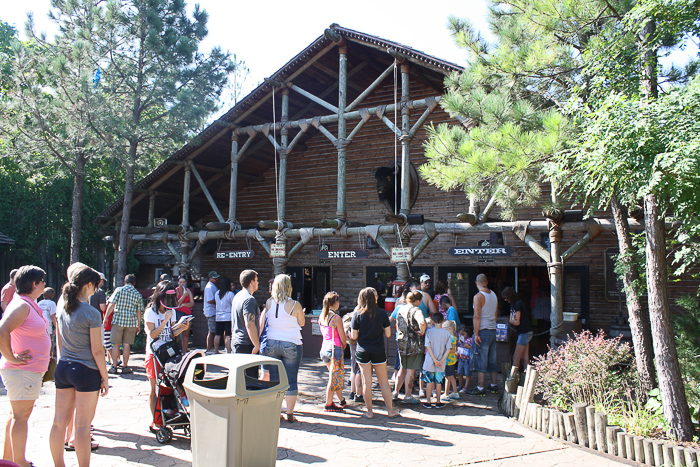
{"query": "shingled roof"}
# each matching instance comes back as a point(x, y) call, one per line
point(5, 240)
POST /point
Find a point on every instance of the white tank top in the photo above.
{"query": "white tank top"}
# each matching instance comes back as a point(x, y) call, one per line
point(281, 326)
point(488, 311)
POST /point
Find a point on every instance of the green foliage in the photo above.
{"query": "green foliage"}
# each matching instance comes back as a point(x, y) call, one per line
point(686, 327)
point(640, 419)
point(588, 369)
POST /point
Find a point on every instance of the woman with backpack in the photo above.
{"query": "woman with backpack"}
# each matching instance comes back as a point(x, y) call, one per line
point(410, 329)
point(332, 350)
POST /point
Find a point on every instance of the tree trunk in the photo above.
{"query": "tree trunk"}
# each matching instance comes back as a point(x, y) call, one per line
point(673, 397)
point(126, 216)
point(77, 208)
point(638, 316)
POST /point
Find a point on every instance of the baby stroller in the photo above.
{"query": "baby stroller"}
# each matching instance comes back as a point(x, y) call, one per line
point(171, 413)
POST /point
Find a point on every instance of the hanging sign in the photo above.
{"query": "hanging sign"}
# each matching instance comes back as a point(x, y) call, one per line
point(241, 254)
point(342, 254)
point(401, 254)
point(277, 250)
point(481, 250)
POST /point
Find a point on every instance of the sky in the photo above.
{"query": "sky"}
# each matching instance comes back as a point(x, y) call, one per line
point(266, 35)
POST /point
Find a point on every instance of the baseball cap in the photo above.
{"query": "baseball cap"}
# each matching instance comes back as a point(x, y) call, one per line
point(102, 276)
point(424, 278)
point(214, 274)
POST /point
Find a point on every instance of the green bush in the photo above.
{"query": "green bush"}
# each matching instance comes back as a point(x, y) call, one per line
point(687, 331)
point(587, 369)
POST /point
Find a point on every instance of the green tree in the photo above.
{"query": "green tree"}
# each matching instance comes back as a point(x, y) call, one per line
point(53, 109)
point(159, 87)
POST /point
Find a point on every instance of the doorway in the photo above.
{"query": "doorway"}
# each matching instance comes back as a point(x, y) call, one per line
point(310, 285)
point(381, 278)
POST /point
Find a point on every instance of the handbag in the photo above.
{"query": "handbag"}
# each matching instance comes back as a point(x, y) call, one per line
point(50, 372)
point(337, 370)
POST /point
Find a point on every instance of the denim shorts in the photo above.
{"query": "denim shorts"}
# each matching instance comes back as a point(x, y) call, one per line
point(325, 353)
point(290, 354)
point(450, 370)
point(463, 368)
point(484, 355)
point(524, 339)
point(74, 375)
point(211, 324)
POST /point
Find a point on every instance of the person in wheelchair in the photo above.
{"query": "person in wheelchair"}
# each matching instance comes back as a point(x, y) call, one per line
point(161, 327)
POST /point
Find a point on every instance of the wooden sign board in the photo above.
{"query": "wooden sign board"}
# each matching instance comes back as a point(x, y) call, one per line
point(241, 254)
point(342, 254)
point(277, 250)
point(401, 254)
point(481, 251)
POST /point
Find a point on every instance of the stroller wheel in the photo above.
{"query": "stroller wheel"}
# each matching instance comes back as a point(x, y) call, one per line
point(164, 435)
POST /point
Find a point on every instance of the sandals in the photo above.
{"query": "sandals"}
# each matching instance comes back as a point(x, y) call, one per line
point(127, 371)
point(291, 418)
point(112, 371)
point(69, 448)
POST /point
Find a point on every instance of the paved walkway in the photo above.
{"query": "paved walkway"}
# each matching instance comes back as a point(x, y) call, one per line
point(469, 431)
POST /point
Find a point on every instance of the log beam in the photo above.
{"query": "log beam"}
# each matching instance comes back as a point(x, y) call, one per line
point(205, 190)
point(341, 212)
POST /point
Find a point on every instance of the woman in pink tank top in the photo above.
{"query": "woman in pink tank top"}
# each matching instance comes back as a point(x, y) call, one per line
point(334, 341)
point(25, 346)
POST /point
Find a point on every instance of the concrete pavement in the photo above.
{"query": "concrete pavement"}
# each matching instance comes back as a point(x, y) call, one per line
point(468, 431)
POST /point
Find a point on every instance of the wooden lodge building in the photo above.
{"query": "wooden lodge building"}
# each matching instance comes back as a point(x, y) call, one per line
point(290, 171)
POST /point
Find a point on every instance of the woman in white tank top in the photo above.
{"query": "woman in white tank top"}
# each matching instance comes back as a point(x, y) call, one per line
point(285, 318)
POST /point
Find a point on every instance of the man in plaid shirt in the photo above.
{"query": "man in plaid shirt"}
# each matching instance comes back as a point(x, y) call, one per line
point(127, 304)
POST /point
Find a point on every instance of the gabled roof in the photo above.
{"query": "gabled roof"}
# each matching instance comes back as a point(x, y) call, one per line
point(312, 73)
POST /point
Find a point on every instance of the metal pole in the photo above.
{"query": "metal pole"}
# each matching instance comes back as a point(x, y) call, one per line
point(342, 130)
point(186, 198)
point(234, 178)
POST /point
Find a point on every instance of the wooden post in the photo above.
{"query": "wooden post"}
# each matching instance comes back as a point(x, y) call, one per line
point(556, 273)
point(529, 390)
point(611, 438)
point(151, 208)
point(206, 192)
point(233, 187)
point(601, 421)
point(554, 422)
point(638, 442)
point(186, 198)
point(562, 428)
point(691, 457)
point(667, 449)
point(545, 420)
point(629, 446)
point(590, 426)
point(405, 141)
point(621, 445)
point(530, 415)
point(581, 427)
point(520, 406)
point(341, 212)
point(658, 452)
point(648, 451)
point(282, 205)
point(570, 428)
point(512, 382)
point(678, 457)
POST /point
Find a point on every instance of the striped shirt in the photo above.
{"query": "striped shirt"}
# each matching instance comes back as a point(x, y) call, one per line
point(127, 302)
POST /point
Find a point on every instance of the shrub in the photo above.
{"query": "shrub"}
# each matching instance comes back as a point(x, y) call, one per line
point(641, 419)
point(588, 369)
point(687, 330)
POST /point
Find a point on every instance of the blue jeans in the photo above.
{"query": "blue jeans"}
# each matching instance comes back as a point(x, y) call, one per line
point(290, 354)
point(484, 355)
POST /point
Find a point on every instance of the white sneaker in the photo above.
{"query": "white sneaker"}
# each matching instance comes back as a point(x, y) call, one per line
point(445, 399)
point(454, 396)
point(463, 390)
point(421, 394)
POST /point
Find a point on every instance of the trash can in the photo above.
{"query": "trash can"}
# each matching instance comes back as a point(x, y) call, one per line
point(235, 418)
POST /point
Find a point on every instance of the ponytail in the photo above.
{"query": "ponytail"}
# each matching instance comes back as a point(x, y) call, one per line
point(80, 277)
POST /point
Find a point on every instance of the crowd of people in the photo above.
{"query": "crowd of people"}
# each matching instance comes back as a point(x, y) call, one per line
point(86, 331)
